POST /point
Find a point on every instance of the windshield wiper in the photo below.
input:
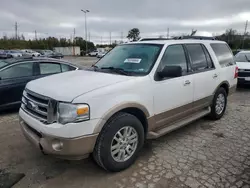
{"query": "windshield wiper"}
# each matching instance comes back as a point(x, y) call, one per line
point(95, 67)
point(117, 70)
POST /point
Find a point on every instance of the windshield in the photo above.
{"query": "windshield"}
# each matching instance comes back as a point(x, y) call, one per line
point(133, 58)
point(2, 63)
point(242, 57)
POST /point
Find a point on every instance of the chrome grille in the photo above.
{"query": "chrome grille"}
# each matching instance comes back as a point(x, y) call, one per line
point(40, 107)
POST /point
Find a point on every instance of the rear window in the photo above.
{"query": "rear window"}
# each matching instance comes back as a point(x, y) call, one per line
point(49, 68)
point(223, 54)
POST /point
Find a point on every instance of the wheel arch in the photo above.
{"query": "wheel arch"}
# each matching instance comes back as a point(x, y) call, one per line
point(225, 85)
point(135, 109)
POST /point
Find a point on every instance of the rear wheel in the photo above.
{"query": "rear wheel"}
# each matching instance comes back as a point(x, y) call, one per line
point(219, 105)
point(119, 142)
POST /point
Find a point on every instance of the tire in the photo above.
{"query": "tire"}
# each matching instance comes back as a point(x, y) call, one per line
point(118, 123)
point(216, 115)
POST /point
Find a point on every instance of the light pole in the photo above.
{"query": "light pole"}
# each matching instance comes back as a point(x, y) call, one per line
point(86, 35)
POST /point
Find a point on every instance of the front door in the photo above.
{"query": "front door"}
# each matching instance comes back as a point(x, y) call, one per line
point(13, 81)
point(173, 97)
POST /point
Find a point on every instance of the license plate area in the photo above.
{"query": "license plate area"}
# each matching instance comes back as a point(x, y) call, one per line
point(247, 78)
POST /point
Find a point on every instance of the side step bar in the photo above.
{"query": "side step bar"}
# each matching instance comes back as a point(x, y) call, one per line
point(176, 125)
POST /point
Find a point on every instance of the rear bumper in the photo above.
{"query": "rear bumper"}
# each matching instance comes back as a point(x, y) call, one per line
point(242, 80)
point(66, 148)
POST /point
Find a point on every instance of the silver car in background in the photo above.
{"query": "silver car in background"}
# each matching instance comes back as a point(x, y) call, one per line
point(14, 53)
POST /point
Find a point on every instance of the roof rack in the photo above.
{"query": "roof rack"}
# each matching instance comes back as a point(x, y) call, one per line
point(195, 37)
point(180, 38)
point(148, 39)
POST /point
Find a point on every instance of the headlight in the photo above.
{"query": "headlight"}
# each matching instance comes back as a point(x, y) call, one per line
point(70, 113)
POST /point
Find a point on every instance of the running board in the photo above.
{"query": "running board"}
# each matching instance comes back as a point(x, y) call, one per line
point(176, 125)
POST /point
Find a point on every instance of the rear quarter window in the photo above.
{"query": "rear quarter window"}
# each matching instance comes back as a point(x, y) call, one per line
point(223, 54)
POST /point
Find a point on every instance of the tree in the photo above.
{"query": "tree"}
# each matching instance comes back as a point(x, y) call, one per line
point(134, 34)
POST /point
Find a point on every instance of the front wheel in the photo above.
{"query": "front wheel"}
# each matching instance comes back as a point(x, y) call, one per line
point(119, 142)
point(219, 105)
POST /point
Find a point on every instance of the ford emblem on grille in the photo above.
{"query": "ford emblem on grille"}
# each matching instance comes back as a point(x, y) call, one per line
point(31, 105)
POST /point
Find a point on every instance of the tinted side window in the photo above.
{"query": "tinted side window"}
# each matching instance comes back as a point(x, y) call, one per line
point(210, 63)
point(17, 71)
point(174, 56)
point(49, 68)
point(223, 54)
point(66, 68)
point(197, 56)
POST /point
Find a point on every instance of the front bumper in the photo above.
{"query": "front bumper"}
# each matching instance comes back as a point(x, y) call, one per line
point(66, 148)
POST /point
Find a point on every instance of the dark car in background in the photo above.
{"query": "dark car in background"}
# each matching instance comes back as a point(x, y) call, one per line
point(4, 55)
point(50, 54)
point(15, 73)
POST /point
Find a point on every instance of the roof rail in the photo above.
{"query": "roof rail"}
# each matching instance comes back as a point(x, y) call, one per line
point(148, 39)
point(195, 37)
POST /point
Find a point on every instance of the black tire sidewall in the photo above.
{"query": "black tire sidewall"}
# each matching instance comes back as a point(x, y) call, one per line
point(213, 110)
point(121, 121)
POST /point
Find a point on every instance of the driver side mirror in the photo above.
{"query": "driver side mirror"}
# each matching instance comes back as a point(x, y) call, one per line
point(170, 72)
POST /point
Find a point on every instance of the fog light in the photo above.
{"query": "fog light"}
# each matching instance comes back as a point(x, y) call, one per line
point(57, 145)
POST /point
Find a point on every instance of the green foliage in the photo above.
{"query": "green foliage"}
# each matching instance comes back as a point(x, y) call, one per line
point(45, 43)
point(134, 34)
point(235, 39)
point(82, 43)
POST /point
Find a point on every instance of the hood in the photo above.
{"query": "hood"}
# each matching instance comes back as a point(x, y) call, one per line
point(243, 65)
point(69, 85)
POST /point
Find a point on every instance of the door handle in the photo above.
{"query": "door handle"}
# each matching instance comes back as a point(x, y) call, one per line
point(215, 76)
point(187, 82)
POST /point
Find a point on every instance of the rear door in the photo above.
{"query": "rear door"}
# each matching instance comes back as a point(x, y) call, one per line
point(204, 74)
point(13, 81)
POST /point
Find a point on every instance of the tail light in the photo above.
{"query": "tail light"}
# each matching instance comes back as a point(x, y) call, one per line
point(236, 72)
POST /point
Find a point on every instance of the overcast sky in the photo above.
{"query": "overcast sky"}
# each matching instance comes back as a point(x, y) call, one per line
point(153, 17)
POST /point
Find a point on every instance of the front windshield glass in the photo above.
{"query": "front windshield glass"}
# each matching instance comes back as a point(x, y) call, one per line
point(2, 63)
point(242, 57)
point(133, 58)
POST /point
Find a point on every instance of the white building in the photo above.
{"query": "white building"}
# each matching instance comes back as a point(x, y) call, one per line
point(71, 50)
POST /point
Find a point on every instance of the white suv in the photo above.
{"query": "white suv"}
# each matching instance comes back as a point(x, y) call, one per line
point(243, 62)
point(138, 91)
